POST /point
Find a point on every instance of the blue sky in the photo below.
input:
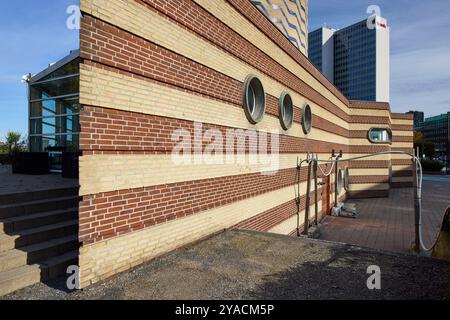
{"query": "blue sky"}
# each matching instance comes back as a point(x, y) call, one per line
point(34, 34)
point(420, 46)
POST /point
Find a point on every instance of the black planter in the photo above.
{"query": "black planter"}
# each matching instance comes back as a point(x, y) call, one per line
point(5, 159)
point(70, 164)
point(35, 163)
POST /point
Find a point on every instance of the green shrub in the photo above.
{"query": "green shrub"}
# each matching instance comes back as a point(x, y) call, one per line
point(431, 165)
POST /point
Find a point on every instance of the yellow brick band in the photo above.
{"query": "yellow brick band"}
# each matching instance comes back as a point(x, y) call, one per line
point(290, 224)
point(103, 259)
point(108, 89)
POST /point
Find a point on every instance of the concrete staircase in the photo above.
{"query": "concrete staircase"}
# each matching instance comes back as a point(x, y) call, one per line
point(38, 236)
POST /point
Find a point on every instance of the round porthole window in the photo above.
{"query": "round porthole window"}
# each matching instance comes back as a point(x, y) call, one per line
point(286, 110)
point(254, 99)
point(347, 179)
point(306, 119)
point(339, 182)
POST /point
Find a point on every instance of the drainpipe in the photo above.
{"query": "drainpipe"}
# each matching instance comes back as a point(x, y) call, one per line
point(336, 172)
point(308, 198)
point(316, 203)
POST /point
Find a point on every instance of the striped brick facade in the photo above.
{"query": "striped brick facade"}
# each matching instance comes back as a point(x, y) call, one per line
point(151, 67)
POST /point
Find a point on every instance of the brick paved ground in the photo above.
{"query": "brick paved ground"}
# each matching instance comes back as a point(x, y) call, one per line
point(388, 223)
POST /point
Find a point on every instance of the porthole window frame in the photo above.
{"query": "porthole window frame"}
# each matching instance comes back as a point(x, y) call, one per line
point(347, 179)
point(259, 95)
point(339, 182)
point(307, 127)
point(286, 122)
point(380, 142)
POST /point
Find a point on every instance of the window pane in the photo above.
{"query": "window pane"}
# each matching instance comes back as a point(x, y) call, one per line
point(54, 88)
point(380, 135)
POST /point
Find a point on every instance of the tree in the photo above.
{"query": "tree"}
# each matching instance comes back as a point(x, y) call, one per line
point(428, 149)
point(418, 139)
point(425, 147)
point(13, 142)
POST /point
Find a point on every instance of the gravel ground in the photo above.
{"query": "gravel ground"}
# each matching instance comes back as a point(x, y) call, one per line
point(250, 265)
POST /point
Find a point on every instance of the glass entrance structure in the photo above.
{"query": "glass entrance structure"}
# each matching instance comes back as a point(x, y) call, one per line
point(54, 109)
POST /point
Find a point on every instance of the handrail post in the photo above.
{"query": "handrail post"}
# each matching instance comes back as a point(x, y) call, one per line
point(316, 202)
point(336, 172)
point(416, 208)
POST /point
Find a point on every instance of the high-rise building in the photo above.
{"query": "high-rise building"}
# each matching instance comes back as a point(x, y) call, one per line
point(360, 57)
point(437, 130)
point(290, 17)
point(418, 119)
point(321, 51)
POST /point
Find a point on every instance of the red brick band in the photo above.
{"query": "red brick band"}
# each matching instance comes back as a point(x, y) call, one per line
point(401, 127)
point(369, 179)
point(110, 214)
point(273, 217)
point(116, 130)
point(372, 105)
point(401, 162)
point(402, 116)
point(409, 139)
point(369, 164)
point(403, 173)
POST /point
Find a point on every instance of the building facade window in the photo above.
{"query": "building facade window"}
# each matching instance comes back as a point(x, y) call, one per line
point(286, 110)
point(380, 135)
point(254, 99)
point(54, 108)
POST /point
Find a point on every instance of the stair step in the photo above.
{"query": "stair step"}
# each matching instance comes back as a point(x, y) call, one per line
point(21, 277)
point(14, 224)
point(15, 258)
point(31, 207)
point(57, 266)
point(28, 196)
point(36, 235)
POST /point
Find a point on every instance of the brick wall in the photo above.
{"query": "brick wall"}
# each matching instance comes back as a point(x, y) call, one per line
point(151, 67)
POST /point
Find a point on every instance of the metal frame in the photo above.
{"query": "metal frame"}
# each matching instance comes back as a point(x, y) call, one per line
point(260, 100)
point(52, 68)
point(286, 116)
point(380, 142)
point(305, 126)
